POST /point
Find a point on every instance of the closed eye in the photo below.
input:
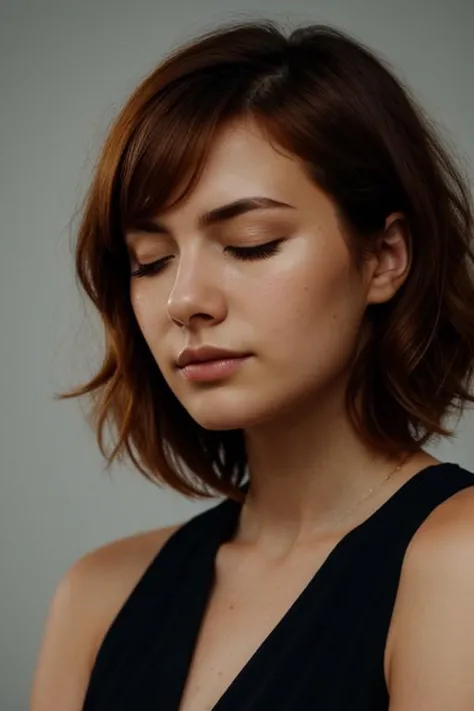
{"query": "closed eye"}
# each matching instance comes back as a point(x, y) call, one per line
point(260, 251)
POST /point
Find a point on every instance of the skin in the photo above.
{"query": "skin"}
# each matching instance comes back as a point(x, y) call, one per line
point(299, 312)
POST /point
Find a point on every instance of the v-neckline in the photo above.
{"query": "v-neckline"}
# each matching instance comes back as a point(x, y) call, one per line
point(228, 513)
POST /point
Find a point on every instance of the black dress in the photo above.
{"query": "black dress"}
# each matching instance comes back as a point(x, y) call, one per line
point(325, 654)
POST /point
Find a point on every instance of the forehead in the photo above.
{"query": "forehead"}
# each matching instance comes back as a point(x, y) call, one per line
point(241, 151)
point(242, 161)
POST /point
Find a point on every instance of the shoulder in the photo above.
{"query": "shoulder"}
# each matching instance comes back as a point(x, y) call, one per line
point(442, 542)
point(431, 653)
point(109, 573)
point(449, 527)
point(84, 604)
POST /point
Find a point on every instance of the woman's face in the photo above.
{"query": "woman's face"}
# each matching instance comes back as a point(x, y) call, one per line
point(297, 311)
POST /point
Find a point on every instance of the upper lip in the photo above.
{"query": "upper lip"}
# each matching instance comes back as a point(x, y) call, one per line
point(199, 355)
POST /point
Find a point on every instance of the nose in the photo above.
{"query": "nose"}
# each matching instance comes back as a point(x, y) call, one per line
point(197, 294)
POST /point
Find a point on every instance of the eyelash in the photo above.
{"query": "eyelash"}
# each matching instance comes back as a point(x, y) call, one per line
point(260, 251)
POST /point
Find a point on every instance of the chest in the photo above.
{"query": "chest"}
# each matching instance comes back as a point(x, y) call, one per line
point(248, 601)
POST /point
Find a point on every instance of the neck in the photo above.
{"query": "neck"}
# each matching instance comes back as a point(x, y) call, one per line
point(306, 471)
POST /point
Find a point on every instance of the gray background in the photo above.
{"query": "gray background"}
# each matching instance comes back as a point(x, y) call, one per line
point(65, 69)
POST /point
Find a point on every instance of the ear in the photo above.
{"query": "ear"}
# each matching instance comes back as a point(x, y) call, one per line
point(390, 262)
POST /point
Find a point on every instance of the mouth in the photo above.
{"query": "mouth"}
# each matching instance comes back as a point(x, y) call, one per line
point(205, 354)
point(211, 370)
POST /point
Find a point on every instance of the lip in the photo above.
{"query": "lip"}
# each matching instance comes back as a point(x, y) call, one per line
point(212, 370)
point(204, 354)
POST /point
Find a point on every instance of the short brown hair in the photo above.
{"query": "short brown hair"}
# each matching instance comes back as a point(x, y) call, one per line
point(363, 140)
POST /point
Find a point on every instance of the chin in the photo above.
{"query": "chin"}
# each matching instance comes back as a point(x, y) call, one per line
point(219, 421)
point(224, 416)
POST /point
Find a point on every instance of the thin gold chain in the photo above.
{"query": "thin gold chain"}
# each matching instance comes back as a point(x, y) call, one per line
point(377, 486)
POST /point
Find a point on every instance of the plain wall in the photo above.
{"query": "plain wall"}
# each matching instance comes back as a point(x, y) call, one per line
point(65, 69)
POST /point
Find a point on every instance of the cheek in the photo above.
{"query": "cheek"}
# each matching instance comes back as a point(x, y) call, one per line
point(143, 302)
point(151, 321)
point(316, 317)
point(140, 311)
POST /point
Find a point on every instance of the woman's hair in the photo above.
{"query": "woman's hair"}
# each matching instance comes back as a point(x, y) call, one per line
point(362, 140)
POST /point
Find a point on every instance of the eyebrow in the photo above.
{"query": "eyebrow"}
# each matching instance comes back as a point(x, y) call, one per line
point(212, 217)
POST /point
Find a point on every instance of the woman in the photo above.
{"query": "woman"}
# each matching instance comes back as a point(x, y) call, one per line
point(278, 246)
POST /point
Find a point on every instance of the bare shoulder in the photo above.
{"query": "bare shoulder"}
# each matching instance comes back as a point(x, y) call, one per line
point(115, 568)
point(438, 562)
point(443, 531)
point(83, 606)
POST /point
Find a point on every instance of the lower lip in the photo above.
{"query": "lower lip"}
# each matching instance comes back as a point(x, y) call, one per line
point(212, 369)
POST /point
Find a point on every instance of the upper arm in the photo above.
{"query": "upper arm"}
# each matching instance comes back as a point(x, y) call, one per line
point(84, 604)
point(432, 666)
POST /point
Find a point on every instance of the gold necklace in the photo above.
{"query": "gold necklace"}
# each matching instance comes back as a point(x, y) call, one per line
point(377, 486)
